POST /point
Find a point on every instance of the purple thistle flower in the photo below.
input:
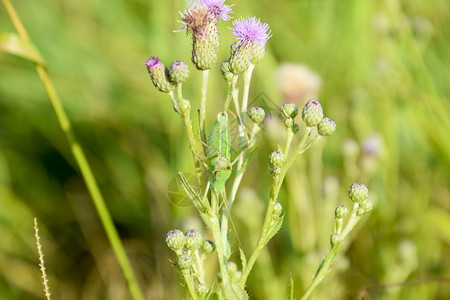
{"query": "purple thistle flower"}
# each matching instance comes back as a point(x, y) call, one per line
point(251, 30)
point(216, 7)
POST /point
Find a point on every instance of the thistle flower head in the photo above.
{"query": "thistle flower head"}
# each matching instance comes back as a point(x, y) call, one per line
point(251, 30)
point(215, 7)
point(159, 75)
point(196, 18)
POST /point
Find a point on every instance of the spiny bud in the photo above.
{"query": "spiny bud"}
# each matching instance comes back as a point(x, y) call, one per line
point(258, 53)
point(225, 69)
point(289, 110)
point(178, 71)
point(204, 52)
point(367, 205)
point(184, 261)
point(194, 239)
point(289, 123)
point(335, 239)
point(360, 212)
point(208, 246)
point(312, 113)
point(341, 212)
point(159, 75)
point(175, 239)
point(201, 290)
point(276, 158)
point(240, 58)
point(277, 210)
point(326, 127)
point(257, 114)
point(358, 192)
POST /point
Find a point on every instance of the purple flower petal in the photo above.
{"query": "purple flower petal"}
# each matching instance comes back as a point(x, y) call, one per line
point(216, 7)
point(251, 30)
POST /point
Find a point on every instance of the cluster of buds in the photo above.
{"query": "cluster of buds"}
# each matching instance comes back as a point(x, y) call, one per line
point(165, 79)
point(185, 245)
point(359, 194)
point(312, 115)
point(289, 111)
point(276, 161)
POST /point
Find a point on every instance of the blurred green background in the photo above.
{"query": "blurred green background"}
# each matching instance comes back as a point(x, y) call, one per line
point(384, 73)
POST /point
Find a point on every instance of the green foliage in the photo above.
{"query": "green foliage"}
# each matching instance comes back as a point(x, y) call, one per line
point(384, 69)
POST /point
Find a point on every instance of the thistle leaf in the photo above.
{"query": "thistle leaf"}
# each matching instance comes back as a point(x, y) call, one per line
point(234, 291)
point(275, 227)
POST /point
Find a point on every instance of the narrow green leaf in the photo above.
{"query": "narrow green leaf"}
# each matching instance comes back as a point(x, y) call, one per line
point(274, 229)
point(13, 44)
point(243, 259)
point(291, 288)
point(234, 291)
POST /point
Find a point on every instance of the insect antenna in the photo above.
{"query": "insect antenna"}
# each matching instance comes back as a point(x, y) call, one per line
point(231, 220)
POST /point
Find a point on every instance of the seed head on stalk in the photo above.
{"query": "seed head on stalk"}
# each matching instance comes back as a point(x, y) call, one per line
point(201, 19)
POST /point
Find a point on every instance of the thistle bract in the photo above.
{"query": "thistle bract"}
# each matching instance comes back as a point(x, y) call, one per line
point(208, 246)
point(341, 212)
point(178, 71)
point(289, 110)
point(326, 127)
point(276, 158)
point(194, 239)
point(175, 239)
point(358, 192)
point(257, 114)
point(312, 113)
point(159, 75)
point(184, 261)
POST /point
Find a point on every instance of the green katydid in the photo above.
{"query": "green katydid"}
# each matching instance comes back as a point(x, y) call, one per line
point(218, 153)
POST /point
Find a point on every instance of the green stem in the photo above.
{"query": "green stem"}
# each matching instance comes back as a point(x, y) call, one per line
point(240, 169)
point(205, 74)
point(274, 191)
point(220, 246)
point(324, 267)
point(83, 164)
point(185, 114)
point(189, 283)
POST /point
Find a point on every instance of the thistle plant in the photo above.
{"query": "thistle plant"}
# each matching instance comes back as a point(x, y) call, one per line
point(216, 164)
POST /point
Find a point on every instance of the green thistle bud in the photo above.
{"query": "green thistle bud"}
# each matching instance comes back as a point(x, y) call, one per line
point(175, 240)
point(276, 158)
point(367, 205)
point(277, 210)
point(289, 123)
point(335, 240)
point(258, 52)
point(225, 69)
point(194, 239)
point(341, 212)
point(184, 261)
point(326, 127)
point(312, 113)
point(208, 246)
point(256, 114)
point(358, 192)
point(201, 290)
point(241, 57)
point(178, 71)
point(360, 212)
point(295, 128)
point(159, 75)
point(233, 271)
point(289, 110)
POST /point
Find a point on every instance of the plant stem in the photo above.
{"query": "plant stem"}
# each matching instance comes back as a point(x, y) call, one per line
point(274, 191)
point(185, 114)
point(205, 74)
point(240, 169)
point(83, 164)
point(324, 267)
point(190, 285)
